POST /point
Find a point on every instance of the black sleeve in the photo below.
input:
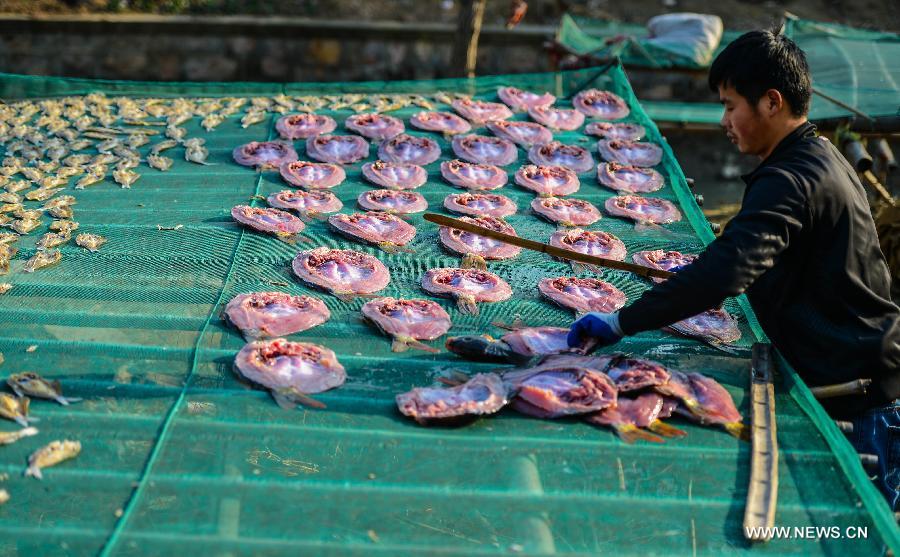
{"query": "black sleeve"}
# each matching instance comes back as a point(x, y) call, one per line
point(773, 212)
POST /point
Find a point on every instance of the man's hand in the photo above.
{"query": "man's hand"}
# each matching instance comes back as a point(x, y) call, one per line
point(603, 327)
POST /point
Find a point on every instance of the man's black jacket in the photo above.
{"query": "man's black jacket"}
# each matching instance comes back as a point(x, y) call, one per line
point(805, 250)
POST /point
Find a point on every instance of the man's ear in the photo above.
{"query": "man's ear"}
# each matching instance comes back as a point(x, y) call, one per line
point(773, 102)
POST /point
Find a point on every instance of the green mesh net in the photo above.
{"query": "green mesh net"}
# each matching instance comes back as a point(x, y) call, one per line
point(179, 456)
point(588, 36)
point(856, 67)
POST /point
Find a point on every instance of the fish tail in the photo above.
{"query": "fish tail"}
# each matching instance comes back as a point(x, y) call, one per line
point(473, 261)
point(66, 400)
point(666, 430)
point(467, 305)
point(631, 433)
point(22, 421)
point(738, 429)
point(34, 472)
point(410, 342)
point(28, 431)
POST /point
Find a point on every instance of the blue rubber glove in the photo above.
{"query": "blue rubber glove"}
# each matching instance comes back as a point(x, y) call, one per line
point(603, 327)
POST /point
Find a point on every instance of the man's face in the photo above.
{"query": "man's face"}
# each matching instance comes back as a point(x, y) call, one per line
point(745, 125)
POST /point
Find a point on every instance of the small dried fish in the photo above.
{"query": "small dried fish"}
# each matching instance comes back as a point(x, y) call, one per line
point(252, 117)
point(47, 166)
point(10, 198)
point(61, 212)
point(197, 154)
point(24, 226)
point(24, 213)
point(91, 242)
point(8, 238)
point(18, 185)
point(162, 146)
point(15, 409)
point(64, 226)
point(108, 145)
point(5, 287)
point(50, 455)
point(125, 177)
point(159, 162)
point(77, 160)
point(33, 385)
point(52, 181)
point(33, 174)
point(41, 194)
point(135, 140)
point(11, 207)
point(79, 144)
point(42, 259)
point(53, 239)
point(128, 163)
point(67, 172)
point(176, 133)
point(95, 173)
point(212, 121)
point(104, 158)
point(10, 437)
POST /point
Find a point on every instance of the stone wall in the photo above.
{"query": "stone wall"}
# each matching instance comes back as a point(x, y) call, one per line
point(164, 54)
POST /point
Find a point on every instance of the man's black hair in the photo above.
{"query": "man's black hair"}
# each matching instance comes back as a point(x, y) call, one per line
point(761, 60)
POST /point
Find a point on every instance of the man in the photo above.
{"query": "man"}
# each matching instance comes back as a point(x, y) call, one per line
point(803, 247)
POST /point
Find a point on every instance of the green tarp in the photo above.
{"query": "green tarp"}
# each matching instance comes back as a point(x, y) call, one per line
point(179, 457)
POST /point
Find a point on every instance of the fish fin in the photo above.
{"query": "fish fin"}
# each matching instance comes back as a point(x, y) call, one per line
point(631, 433)
point(721, 346)
point(287, 238)
point(67, 400)
point(251, 335)
point(648, 226)
point(516, 324)
point(472, 261)
point(22, 421)
point(34, 472)
point(400, 344)
point(289, 397)
point(664, 429)
point(392, 248)
point(579, 268)
point(413, 343)
point(344, 296)
point(57, 386)
point(466, 305)
point(739, 430)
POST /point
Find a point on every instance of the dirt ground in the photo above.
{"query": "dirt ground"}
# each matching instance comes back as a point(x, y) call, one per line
point(739, 14)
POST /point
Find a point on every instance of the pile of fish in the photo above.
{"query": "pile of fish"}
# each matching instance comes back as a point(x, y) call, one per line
point(630, 395)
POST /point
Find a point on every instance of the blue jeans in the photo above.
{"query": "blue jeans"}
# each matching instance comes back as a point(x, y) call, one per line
point(877, 432)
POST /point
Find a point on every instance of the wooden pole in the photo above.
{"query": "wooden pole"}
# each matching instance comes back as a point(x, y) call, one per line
point(468, 28)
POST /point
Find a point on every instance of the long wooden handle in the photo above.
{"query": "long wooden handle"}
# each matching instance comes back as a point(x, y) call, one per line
point(762, 493)
point(547, 248)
